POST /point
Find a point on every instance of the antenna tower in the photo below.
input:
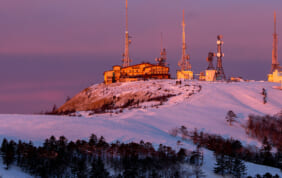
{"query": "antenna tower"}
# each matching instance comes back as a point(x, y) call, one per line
point(184, 63)
point(162, 60)
point(210, 61)
point(219, 69)
point(126, 60)
point(275, 64)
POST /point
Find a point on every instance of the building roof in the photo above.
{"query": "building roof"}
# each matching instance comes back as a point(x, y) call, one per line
point(138, 65)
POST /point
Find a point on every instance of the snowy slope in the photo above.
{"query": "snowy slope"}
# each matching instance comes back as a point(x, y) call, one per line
point(205, 110)
point(119, 94)
point(12, 172)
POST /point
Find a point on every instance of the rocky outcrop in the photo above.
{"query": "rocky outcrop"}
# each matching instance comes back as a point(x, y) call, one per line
point(101, 97)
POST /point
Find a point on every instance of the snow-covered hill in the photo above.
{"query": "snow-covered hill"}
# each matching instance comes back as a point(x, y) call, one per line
point(193, 106)
point(121, 95)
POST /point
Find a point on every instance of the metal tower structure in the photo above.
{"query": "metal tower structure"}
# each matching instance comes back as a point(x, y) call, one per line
point(126, 60)
point(210, 61)
point(162, 59)
point(275, 64)
point(184, 63)
point(219, 68)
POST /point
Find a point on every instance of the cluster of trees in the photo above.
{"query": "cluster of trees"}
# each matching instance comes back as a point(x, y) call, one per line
point(228, 153)
point(94, 158)
point(262, 127)
point(232, 148)
point(228, 165)
point(266, 175)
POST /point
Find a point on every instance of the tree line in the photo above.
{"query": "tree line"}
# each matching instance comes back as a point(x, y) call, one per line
point(229, 153)
point(262, 127)
point(97, 158)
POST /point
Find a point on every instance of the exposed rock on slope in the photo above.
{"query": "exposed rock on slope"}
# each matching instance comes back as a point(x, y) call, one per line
point(103, 97)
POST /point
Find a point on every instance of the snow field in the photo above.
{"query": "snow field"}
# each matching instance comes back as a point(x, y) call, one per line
point(205, 110)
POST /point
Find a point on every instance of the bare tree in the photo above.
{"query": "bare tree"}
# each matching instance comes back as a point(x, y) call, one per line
point(230, 117)
point(173, 132)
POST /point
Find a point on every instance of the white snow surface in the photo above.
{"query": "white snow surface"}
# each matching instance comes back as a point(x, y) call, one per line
point(205, 110)
point(12, 172)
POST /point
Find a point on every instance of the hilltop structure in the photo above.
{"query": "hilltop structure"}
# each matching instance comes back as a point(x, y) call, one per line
point(127, 72)
point(275, 73)
point(210, 71)
point(212, 74)
point(126, 60)
point(184, 64)
point(220, 75)
point(137, 72)
point(143, 71)
point(162, 59)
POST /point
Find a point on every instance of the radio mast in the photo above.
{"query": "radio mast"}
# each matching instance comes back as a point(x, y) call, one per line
point(161, 61)
point(219, 68)
point(184, 63)
point(126, 60)
point(275, 64)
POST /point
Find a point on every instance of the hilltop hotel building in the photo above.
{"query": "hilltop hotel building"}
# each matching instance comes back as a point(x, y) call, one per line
point(137, 72)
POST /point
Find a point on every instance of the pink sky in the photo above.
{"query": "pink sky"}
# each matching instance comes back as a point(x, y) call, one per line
point(72, 42)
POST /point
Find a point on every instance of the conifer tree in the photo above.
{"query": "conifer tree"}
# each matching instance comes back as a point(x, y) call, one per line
point(93, 140)
point(265, 152)
point(54, 109)
point(9, 155)
point(4, 145)
point(220, 165)
point(181, 155)
point(82, 168)
point(239, 168)
point(98, 169)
